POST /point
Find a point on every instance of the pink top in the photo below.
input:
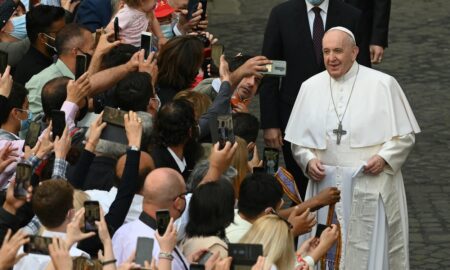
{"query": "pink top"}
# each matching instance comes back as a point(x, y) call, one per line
point(132, 23)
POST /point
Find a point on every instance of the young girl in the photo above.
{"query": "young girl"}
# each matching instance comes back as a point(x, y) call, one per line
point(135, 17)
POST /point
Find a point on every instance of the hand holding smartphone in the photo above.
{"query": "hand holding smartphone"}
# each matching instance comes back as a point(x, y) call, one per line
point(216, 52)
point(276, 69)
point(162, 220)
point(58, 123)
point(24, 172)
point(270, 160)
point(244, 254)
point(91, 215)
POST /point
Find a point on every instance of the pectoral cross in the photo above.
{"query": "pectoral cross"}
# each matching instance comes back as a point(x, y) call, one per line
point(339, 132)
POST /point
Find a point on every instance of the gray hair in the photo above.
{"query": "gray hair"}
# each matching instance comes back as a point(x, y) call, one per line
point(200, 170)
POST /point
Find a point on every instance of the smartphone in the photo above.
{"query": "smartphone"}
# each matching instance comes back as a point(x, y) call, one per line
point(23, 179)
point(204, 6)
point(91, 215)
point(144, 250)
point(58, 123)
point(192, 8)
point(116, 28)
point(204, 258)
point(225, 130)
point(80, 65)
point(3, 61)
point(196, 267)
point(277, 69)
point(162, 220)
point(320, 229)
point(33, 134)
point(217, 51)
point(37, 245)
point(149, 43)
point(115, 128)
point(270, 160)
point(244, 254)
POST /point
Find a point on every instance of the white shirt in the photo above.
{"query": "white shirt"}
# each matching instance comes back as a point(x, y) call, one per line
point(40, 262)
point(238, 228)
point(106, 198)
point(181, 163)
point(125, 239)
point(312, 15)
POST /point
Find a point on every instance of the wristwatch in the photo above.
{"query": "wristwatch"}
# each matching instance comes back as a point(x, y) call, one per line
point(133, 148)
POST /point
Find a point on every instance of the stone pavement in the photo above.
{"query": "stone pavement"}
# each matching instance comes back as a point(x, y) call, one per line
point(419, 57)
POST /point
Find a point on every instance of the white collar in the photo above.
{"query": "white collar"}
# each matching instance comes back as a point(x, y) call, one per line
point(216, 84)
point(47, 233)
point(181, 163)
point(323, 6)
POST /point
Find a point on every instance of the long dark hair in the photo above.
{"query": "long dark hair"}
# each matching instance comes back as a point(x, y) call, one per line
point(179, 62)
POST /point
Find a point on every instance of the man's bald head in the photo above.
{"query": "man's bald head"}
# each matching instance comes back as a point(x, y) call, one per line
point(339, 51)
point(162, 186)
point(145, 166)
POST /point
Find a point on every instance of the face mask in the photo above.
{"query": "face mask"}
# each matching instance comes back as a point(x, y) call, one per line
point(19, 27)
point(167, 30)
point(50, 48)
point(315, 2)
point(25, 124)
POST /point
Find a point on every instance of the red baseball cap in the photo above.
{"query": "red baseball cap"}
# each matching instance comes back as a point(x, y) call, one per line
point(163, 9)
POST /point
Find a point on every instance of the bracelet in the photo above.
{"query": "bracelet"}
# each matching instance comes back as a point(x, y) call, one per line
point(165, 255)
point(308, 260)
point(108, 262)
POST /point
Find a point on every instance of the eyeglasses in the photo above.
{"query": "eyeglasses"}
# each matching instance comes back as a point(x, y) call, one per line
point(181, 196)
point(273, 212)
point(23, 110)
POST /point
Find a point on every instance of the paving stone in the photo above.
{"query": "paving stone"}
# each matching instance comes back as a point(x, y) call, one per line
point(419, 58)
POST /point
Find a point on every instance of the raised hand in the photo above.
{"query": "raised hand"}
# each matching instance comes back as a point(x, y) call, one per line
point(78, 90)
point(10, 246)
point(62, 145)
point(133, 128)
point(59, 252)
point(6, 82)
point(168, 241)
point(301, 222)
point(8, 155)
point(94, 133)
point(74, 233)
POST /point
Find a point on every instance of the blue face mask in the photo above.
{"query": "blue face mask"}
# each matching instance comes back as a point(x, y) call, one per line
point(315, 2)
point(166, 29)
point(19, 27)
point(25, 124)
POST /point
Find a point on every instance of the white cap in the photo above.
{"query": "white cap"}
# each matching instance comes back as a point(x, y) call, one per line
point(345, 30)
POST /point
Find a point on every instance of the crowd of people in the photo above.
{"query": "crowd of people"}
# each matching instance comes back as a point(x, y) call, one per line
point(138, 140)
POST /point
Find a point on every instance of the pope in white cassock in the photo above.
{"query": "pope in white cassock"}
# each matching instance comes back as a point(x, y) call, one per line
point(352, 128)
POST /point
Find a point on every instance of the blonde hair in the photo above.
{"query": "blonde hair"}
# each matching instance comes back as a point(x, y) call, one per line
point(200, 102)
point(79, 197)
point(240, 163)
point(277, 240)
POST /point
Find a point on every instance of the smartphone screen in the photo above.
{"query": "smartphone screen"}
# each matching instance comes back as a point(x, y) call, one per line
point(58, 123)
point(146, 43)
point(270, 160)
point(23, 179)
point(3, 61)
point(33, 134)
point(144, 250)
point(115, 128)
point(116, 29)
point(80, 65)
point(217, 51)
point(204, 258)
point(204, 6)
point(244, 255)
point(192, 7)
point(225, 130)
point(91, 215)
point(162, 220)
point(37, 245)
point(277, 68)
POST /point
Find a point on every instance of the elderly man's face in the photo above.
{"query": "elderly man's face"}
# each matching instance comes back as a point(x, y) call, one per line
point(338, 52)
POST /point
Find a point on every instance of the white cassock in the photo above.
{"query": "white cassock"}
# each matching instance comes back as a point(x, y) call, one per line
point(372, 212)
